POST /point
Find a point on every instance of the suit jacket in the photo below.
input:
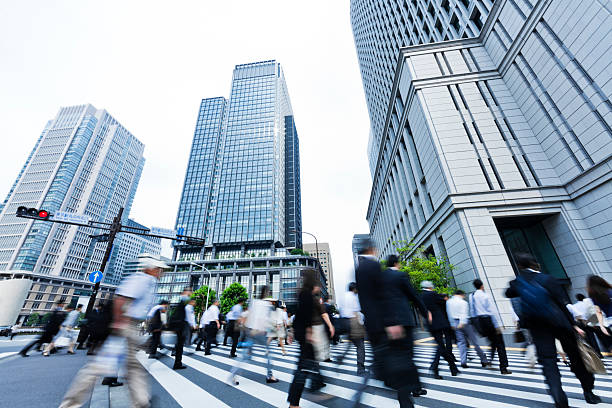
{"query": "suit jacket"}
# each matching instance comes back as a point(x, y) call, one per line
point(55, 321)
point(177, 320)
point(370, 290)
point(436, 304)
point(400, 297)
point(563, 317)
point(156, 323)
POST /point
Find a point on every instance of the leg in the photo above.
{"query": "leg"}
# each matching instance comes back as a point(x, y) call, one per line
point(299, 377)
point(261, 339)
point(209, 336)
point(437, 335)
point(24, 351)
point(449, 336)
point(547, 356)
point(136, 374)
point(500, 346)
point(180, 342)
point(568, 342)
point(468, 332)
point(360, 346)
point(462, 345)
point(404, 396)
point(81, 387)
point(235, 336)
point(229, 328)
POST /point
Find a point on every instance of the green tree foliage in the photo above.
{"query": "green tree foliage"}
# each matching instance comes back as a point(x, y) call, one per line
point(299, 251)
point(232, 295)
point(45, 319)
point(421, 267)
point(200, 298)
point(33, 319)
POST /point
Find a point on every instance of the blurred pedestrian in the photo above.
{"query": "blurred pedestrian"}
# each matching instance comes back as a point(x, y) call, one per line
point(180, 322)
point(489, 325)
point(351, 317)
point(309, 332)
point(256, 324)
point(156, 324)
point(51, 328)
point(67, 330)
point(458, 317)
point(132, 300)
point(233, 326)
point(543, 311)
point(440, 329)
point(277, 328)
point(584, 313)
point(600, 292)
point(211, 325)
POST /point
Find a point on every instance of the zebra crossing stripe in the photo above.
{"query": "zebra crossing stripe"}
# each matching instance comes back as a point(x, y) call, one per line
point(184, 392)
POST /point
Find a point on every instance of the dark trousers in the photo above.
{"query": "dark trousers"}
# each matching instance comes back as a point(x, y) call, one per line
point(544, 340)
point(234, 331)
point(496, 341)
point(229, 328)
point(211, 335)
point(444, 339)
point(38, 342)
point(178, 348)
point(307, 367)
point(155, 340)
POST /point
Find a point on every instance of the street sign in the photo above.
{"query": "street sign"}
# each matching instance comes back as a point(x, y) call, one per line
point(95, 276)
point(71, 217)
point(164, 232)
point(180, 231)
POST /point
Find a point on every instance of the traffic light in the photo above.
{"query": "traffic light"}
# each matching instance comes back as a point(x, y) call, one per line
point(33, 213)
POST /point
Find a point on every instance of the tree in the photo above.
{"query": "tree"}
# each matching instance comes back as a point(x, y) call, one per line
point(231, 296)
point(200, 298)
point(421, 267)
point(33, 319)
point(45, 319)
point(299, 251)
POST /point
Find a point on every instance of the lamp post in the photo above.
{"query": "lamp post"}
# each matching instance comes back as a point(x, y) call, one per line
point(209, 279)
point(316, 245)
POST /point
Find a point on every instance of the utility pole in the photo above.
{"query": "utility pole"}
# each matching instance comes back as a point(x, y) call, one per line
point(114, 228)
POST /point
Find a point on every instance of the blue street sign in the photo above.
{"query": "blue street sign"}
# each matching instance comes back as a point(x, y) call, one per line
point(180, 231)
point(95, 276)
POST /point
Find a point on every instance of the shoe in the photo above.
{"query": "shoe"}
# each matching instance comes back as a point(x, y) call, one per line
point(22, 354)
point(464, 366)
point(455, 372)
point(329, 360)
point(111, 382)
point(232, 380)
point(115, 384)
point(591, 398)
point(505, 371)
point(180, 367)
point(437, 375)
point(91, 353)
point(198, 349)
point(233, 356)
point(485, 365)
point(271, 380)
point(207, 354)
point(46, 354)
point(173, 354)
point(70, 352)
point(419, 392)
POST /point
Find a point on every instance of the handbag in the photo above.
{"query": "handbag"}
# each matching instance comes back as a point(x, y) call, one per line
point(474, 321)
point(519, 337)
point(590, 358)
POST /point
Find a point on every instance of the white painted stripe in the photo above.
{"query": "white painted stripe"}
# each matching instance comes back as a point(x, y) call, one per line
point(7, 354)
point(186, 393)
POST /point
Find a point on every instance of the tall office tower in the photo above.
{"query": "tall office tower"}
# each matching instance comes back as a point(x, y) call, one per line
point(323, 254)
point(84, 162)
point(382, 28)
point(500, 143)
point(242, 188)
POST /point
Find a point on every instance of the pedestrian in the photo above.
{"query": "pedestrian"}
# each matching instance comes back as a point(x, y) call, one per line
point(233, 326)
point(277, 328)
point(600, 292)
point(67, 330)
point(211, 325)
point(15, 329)
point(179, 322)
point(132, 300)
point(489, 325)
point(388, 342)
point(256, 324)
point(156, 324)
point(309, 331)
point(458, 317)
point(440, 329)
point(584, 313)
point(351, 311)
point(544, 313)
point(51, 328)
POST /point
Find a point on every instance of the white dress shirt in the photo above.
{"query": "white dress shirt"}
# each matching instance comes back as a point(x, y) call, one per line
point(190, 315)
point(235, 312)
point(211, 314)
point(457, 309)
point(140, 287)
point(351, 306)
point(153, 310)
point(482, 305)
point(582, 309)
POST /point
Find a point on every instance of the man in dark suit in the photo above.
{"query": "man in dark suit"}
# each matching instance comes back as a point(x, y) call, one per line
point(178, 324)
point(52, 327)
point(549, 321)
point(155, 326)
point(440, 329)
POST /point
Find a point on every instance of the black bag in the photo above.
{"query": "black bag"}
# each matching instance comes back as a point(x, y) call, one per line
point(393, 364)
point(519, 337)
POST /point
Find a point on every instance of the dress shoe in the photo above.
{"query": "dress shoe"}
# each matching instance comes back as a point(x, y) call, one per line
point(464, 366)
point(111, 382)
point(208, 353)
point(591, 398)
point(199, 349)
point(505, 371)
point(271, 380)
point(180, 367)
point(233, 356)
point(455, 372)
point(437, 375)
point(485, 365)
point(419, 392)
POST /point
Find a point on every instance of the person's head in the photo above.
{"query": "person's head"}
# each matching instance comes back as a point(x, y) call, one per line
point(263, 292)
point(60, 305)
point(69, 308)
point(164, 304)
point(367, 247)
point(460, 293)
point(580, 297)
point(241, 302)
point(325, 298)
point(427, 285)
point(352, 287)
point(153, 267)
point(392, 261)
point(216, 302)
point(526, 261)
point(191, 301)
point(317, 291)
point(187, 291)
point(79, 307)
point(478, 284)
point(309, 280)
point(598, 289)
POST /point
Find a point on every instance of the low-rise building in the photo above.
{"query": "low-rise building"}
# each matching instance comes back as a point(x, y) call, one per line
point(323, 254)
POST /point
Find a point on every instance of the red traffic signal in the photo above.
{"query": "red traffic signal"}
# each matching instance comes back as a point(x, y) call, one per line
point(32, 213)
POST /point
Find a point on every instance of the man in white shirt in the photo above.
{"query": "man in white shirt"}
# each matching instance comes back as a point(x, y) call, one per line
point(351, 310)
point(232, 328)
point(131, 303)
point(490, 326)
point(457, 311)
point(210, 323)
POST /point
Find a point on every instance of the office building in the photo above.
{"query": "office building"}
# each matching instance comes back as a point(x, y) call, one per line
point(324, 256)
point(497, 143)
point(242, 187)
point(357, 245)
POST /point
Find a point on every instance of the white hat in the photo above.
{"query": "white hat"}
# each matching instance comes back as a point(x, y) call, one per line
point(152, 263)
point(427, 284)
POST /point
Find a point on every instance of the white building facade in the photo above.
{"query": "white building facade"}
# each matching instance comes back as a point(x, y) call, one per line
point(501, 144)
point(324, 256)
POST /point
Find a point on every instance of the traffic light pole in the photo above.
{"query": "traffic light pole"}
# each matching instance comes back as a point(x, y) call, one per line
point(115, 227)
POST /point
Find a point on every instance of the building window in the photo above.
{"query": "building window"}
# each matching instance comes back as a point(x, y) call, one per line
point(66, 291)
point(39, 296)
point(35, 305)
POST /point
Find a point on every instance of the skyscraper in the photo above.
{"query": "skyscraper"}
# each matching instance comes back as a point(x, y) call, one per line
point(84, 162)
point(242, 188)
point(323, 254)
point(487, 146)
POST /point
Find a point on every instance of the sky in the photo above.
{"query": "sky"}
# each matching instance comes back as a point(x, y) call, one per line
point(149, 63)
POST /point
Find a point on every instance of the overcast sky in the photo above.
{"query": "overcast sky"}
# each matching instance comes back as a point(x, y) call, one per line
point(150, 63)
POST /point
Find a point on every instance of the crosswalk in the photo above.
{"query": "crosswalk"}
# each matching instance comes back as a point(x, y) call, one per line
point(204, 383)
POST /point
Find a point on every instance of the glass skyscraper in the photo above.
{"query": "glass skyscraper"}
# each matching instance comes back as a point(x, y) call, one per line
point(242, 189)
point(491, 134)
point(84, 162)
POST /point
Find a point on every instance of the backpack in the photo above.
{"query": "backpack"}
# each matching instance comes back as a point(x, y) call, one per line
point(536, 304)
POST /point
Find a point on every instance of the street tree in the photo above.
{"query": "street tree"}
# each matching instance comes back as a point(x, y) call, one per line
point(231, 296)
point(421, 267)
point(200, 296)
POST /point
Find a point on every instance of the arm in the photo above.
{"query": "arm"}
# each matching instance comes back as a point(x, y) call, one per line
point(488, 306)
point(602, 325)
point(416, 300)
point(325, 317)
